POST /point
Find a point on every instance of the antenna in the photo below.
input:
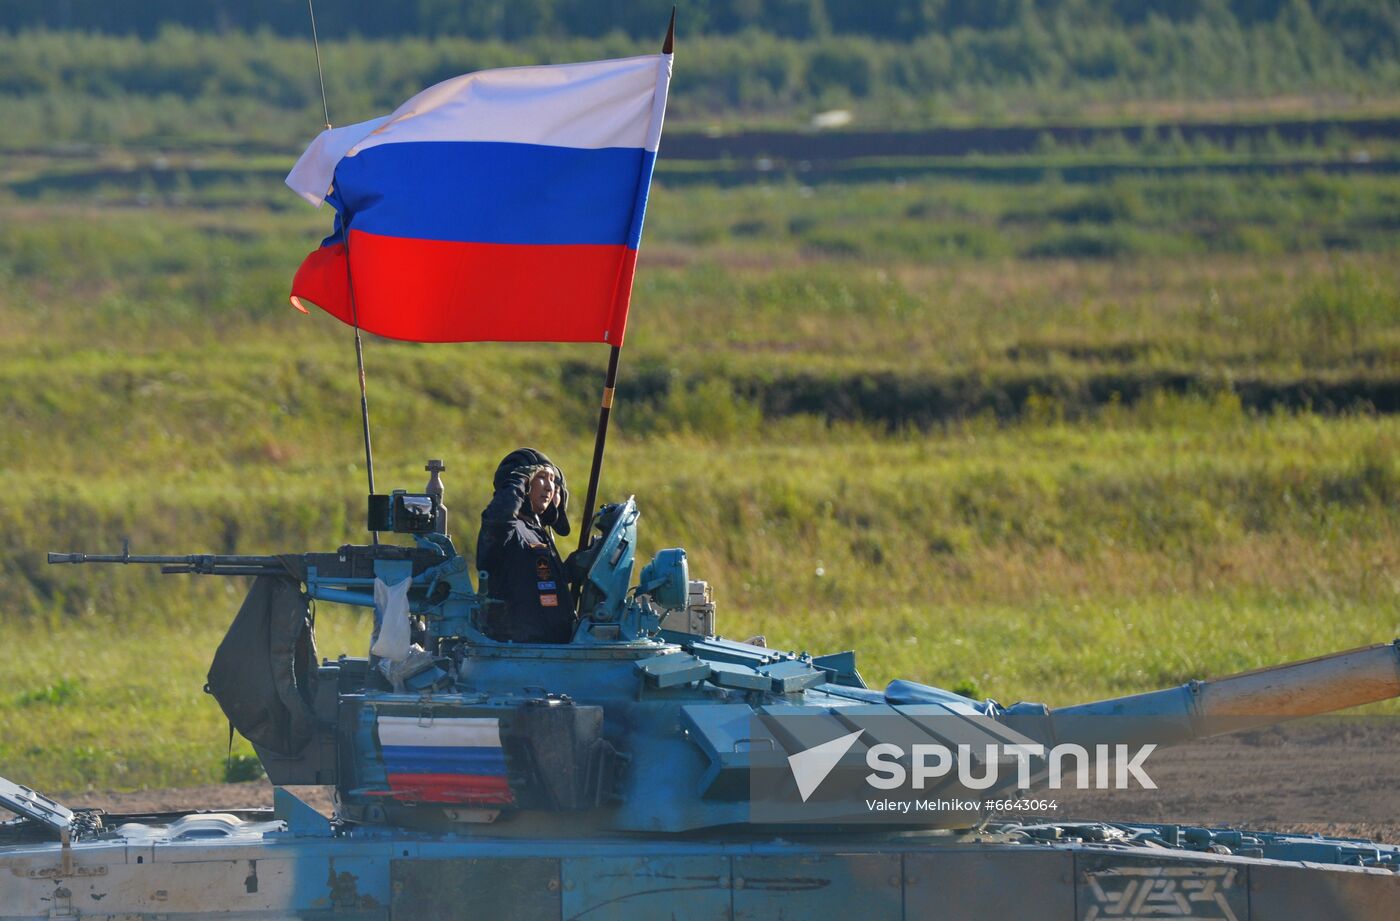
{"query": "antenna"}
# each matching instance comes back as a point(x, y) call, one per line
point(320, 75)
point(349, 279)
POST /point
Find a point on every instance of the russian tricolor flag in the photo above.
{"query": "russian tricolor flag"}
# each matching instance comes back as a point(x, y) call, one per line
point(504, 205)
point(449, 760)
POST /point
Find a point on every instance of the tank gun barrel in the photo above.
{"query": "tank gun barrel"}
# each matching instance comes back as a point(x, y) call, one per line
point(1250, 699)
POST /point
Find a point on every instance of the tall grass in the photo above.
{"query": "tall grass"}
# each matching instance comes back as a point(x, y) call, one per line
point(888, 416)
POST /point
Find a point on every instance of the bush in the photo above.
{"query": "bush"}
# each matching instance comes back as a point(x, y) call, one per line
point(1085, 243)
point(242, 768)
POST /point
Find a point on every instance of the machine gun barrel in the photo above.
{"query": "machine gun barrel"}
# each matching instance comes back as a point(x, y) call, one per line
point(209, 564)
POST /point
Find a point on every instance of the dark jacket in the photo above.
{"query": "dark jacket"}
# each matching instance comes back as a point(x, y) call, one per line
point(516, 550)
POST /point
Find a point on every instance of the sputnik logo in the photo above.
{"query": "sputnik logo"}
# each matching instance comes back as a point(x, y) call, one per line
point(811, 766)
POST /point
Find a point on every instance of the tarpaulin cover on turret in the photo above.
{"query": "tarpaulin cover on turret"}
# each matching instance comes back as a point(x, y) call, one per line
point(264, 671)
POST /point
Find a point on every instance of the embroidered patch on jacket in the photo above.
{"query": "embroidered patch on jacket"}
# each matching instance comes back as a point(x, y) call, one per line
point(546, 586)
point(549, 601)
point(542, 570)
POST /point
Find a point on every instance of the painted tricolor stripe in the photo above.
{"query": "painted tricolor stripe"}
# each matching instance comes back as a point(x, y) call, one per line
point(444, 760)
point(504, 205)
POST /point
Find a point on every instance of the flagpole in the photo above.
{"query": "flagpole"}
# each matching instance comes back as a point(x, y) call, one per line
point(610, 386)
point(360, 365)
point(349, 282)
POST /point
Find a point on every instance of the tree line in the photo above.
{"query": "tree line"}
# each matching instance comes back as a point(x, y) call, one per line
point(185, 83)
point(1366, 27)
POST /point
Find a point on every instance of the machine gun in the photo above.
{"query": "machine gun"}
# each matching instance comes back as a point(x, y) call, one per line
point(440, 589)
point(441, 592)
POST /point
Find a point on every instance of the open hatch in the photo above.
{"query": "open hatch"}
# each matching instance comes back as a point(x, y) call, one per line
point(37, 807)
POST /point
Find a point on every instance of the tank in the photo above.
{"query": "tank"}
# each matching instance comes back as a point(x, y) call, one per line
point(651, 768)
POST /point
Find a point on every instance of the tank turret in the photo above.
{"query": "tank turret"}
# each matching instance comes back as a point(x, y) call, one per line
point(646, 720)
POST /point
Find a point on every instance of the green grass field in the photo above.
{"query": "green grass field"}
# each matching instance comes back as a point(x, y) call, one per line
point(1042, 440)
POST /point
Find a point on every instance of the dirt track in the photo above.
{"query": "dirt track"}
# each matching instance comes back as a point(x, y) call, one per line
point(1335, 776)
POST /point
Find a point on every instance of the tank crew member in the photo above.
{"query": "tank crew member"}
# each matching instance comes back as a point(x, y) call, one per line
point(515, 548)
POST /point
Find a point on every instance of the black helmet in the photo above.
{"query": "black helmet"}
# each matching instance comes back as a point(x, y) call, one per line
point(557, 517)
